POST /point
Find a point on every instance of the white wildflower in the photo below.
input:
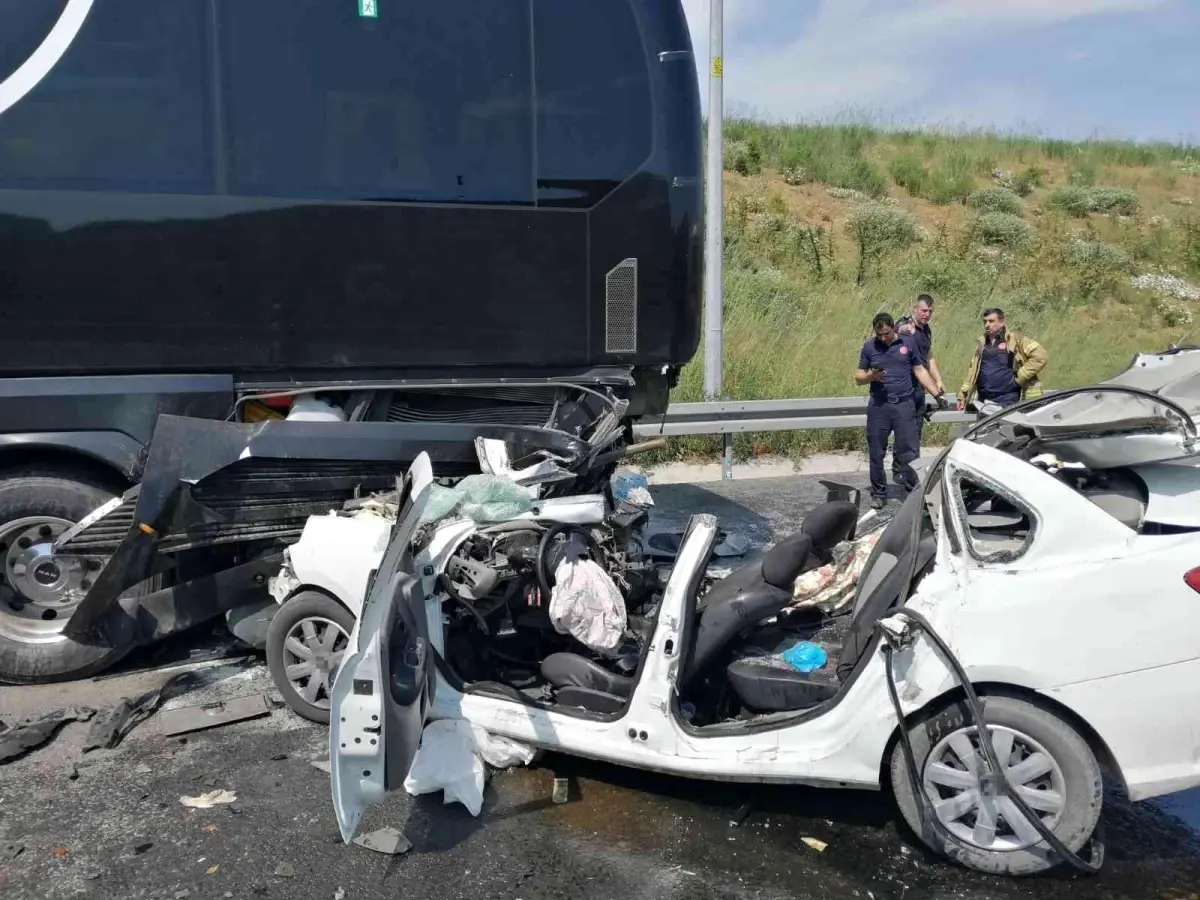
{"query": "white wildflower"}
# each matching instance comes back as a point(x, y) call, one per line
point(838, 193)
point(1167, 287)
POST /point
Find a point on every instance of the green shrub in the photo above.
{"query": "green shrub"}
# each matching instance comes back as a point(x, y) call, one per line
point(863, 175)
point(744, 157)
point(877, 228)
point(1121, 201)
point(1082, 255)
point(796, 175)
point(1071, 199)
point(1000, 229)
point(1083, 175)
point(943, 274)
point(909, 172)
point(995, 199)
point(946, 185)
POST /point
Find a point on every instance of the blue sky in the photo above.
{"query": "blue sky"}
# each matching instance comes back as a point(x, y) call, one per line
point(1059, 68)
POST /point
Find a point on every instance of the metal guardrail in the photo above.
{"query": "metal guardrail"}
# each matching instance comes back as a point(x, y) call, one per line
point(741, 416)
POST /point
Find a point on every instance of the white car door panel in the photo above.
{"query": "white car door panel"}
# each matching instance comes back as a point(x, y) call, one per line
point(382, 693)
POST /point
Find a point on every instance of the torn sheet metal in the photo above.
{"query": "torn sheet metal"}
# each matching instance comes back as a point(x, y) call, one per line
point(210, 715)
point(388, 841)
point(111, 727)
point(185, 451)
point(26, 734)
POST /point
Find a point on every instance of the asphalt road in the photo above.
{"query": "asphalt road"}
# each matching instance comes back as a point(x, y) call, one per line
point(118, 830)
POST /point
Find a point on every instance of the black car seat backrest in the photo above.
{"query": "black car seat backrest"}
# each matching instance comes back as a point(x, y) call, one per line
point(883, 578)
point(727, 616)
point(830, 524)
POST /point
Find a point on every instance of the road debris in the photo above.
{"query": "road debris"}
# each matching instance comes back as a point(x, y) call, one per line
point(339, 894)
point(183, 894)
point(278, 757)
point(285, 870)
point(73, 775)
point(740, 816)
point(386, 840)
point(25, 734)
point(112, 727)
point(212, 870)
point(817, 845)
point(140, 847)
point(11, 851)
point(60, 852)
point(211, 715)
point(210, 828)
point(562, 790)
point(209, 800)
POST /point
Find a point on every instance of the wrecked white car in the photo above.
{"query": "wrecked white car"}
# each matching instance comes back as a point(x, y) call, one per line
point(1043, 584)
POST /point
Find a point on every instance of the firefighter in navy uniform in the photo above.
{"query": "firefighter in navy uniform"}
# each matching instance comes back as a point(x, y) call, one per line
point(917, 325)
point(888, 363)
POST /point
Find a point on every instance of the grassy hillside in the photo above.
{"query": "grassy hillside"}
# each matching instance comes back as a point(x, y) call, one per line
point(1093, 248)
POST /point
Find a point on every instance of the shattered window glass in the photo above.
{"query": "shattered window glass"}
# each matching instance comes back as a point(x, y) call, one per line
point(998, 527)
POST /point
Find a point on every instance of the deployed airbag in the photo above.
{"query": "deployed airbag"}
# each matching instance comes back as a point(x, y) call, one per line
point(586, 604)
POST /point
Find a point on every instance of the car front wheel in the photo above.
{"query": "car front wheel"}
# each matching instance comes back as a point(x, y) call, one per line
point(305, 644)
point(1045, 760)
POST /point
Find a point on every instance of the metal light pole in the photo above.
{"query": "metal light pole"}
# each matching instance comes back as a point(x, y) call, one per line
point(714, 213)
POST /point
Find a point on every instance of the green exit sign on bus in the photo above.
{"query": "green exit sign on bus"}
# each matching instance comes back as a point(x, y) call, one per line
point(368, 8)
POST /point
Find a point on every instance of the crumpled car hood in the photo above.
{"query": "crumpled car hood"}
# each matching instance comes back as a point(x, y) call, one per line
point(1105, 430)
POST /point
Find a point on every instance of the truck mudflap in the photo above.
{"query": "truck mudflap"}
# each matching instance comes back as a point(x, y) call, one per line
point(169, 503)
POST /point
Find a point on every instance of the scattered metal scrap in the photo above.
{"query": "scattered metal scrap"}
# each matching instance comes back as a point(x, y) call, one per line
point(26, 734)
point(109, 730)
point(209, 800)
point(386, 840)
point(210, 715)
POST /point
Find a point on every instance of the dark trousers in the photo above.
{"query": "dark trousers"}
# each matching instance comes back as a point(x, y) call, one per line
point(919, 407)
point(885, 418)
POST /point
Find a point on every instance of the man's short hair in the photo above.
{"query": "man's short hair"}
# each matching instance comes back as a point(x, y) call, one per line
point(926, 299)
point(883, 319)
point(993, 311)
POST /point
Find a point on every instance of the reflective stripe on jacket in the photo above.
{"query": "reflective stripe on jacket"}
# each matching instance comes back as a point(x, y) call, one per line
point(1029, 359)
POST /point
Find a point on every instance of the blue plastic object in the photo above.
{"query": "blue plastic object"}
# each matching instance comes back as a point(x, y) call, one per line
point(626, 482)
point(805, 656)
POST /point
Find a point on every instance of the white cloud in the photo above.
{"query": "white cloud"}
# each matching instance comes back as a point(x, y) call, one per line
point(881, 56)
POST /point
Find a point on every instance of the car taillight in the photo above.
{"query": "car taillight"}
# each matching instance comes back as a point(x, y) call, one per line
point(1193, 580)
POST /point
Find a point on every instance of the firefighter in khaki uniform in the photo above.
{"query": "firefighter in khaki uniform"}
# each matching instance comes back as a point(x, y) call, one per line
point(1005, 367)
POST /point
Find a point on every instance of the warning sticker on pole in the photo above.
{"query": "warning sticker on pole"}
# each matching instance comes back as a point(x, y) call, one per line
point(718, 67)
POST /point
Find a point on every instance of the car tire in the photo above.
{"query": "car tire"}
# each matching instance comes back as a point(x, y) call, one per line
point(1074, 783)
point(52, 494)
point(321, 612)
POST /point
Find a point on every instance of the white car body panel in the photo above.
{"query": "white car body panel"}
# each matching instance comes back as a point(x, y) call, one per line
point(1090, 614)
point(1174, 493)
point(357, 541)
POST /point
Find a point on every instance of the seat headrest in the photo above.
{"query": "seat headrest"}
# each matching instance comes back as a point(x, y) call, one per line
point(786, 560)
point(830, 524)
